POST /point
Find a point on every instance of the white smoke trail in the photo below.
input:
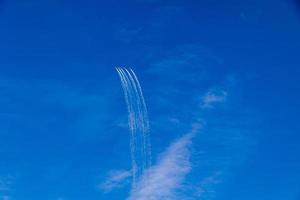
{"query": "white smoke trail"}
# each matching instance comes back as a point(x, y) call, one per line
point(146, 131)
point(146, 120)
point(141, 114)
point(126, 89)
point(138, 124)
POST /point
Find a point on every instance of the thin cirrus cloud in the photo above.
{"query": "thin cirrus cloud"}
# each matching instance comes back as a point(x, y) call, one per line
point(213, 97)
point(116, 179)
point(206, 187)
point(5, 187)
point(167, 176)
point(5, 197)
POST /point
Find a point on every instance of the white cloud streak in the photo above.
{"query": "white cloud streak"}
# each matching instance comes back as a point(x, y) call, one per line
point(5, 187)
point(168, 175)
point(212, 97)
point(6, 183)
point(116, 179)
point(5, 197)
point(205, 189)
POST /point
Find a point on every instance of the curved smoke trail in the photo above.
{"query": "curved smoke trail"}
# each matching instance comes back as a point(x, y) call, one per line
point(138, 124)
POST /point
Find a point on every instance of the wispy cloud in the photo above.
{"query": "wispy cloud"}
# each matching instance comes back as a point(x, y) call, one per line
point(115, 179)
point(213, 97)
point(6, 183)
point(5, 187)
point(205, 189)
point(168, 175)
point(5, 197)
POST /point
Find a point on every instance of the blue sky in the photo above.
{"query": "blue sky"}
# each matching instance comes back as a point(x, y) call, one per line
point(227, 71)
